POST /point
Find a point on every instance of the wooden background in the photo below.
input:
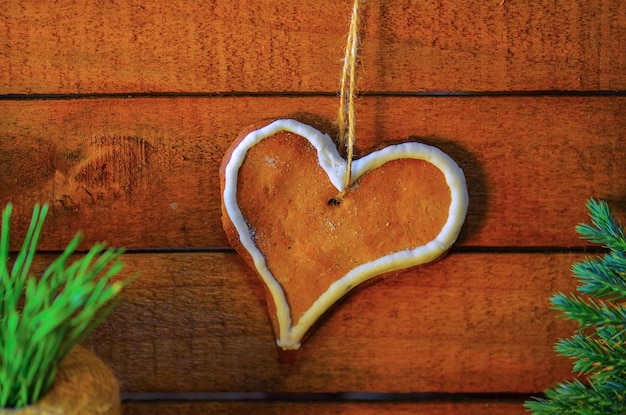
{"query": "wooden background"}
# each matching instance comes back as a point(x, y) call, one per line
point(117, 113)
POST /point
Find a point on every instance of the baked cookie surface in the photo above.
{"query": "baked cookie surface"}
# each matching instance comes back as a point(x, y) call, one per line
point(405, 206)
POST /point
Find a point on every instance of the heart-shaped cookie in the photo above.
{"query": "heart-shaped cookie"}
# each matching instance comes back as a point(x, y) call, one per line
point(405, 206)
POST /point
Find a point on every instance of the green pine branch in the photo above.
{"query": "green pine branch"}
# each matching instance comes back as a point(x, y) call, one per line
point(598, 348)
point(589, 312)
point(604, 229)
point(602, 278)
point(594, 356)
point(41, 319)
point(576, 398)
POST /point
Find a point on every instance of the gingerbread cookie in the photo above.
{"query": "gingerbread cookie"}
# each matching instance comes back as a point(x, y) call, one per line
point(405, 206)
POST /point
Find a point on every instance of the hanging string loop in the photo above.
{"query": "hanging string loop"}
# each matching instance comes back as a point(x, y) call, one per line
point(347, 119)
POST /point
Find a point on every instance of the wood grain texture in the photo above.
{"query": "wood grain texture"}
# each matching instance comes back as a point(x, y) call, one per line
point(310, 408)
point(143, 173)
point(70, 47)
point(468, 323)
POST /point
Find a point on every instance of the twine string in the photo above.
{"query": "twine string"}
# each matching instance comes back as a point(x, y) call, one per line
point(347, 94)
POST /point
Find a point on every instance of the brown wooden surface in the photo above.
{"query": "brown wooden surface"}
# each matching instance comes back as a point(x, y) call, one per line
point(470, 323)
point(472, 45)
point(141, 99)
point(143, 173)
point(310, 408)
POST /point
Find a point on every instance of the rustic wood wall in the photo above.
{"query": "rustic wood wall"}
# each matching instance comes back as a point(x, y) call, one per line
point(117, 113)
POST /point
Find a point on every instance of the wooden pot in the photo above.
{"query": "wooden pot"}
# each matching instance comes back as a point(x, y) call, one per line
point(84, 385)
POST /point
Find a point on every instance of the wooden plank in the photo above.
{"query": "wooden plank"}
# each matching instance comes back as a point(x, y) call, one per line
point(143, 173)
point(471, 323)
point(306, 408)
point(78, 47)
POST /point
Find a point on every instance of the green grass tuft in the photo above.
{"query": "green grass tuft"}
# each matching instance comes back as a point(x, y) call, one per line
point(41, 319)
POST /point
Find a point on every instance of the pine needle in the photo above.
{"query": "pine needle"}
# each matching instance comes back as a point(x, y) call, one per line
point(598, 348)
point(42, 319)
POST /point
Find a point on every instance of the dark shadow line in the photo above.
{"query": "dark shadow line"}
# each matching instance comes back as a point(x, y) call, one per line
point(461, 250)
point(457, 250)
point(305, 397)
point(591, 249)
point(306, 94)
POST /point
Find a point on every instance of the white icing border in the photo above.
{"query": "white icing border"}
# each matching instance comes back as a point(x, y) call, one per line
point(335, 167)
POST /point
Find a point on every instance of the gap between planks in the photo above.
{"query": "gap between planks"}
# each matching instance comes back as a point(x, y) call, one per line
point(414, 397)
point(304, 94)
point(463, 250)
